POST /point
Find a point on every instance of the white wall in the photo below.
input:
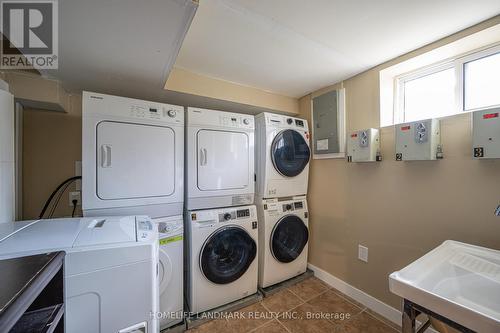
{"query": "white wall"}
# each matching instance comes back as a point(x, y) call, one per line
point(7, 192)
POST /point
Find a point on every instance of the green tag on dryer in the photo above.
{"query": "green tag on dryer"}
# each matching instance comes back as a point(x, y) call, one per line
point(171, 239)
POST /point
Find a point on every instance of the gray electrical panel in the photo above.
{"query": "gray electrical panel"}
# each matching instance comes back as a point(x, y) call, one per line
point(327, 123)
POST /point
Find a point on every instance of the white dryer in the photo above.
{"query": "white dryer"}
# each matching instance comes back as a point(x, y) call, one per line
point(110, 278)
point(133, 157)
point(222, 256)
point(283, 153)
point(219, 159)
point(283, 239)
point(170, 270)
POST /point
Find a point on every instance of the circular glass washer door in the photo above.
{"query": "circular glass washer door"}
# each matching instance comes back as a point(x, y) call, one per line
point(288, 238)
point(290, 153)
point(227, 254)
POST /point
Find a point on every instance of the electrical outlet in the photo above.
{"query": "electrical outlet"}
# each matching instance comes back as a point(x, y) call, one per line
point(363, 253)
point(75, 196)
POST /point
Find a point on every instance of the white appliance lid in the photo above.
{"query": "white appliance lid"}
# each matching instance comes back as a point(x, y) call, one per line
point(107, 230)
point(7, 229)
point(43, 235)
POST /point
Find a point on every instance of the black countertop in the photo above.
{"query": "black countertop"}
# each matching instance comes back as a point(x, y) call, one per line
point(22, 279)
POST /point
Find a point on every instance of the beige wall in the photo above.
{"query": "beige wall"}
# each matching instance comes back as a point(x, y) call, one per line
point(184, 81)
point(399, 210)
point(52, 143)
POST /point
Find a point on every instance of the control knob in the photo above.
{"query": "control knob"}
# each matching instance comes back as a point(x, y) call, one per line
point(246, 121)
point(171, 113)
point(288, 207)
point(227, 216)
point(289, 121)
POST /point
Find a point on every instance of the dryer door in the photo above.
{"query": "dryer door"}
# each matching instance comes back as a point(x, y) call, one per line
point(223, 159)
point(290, 153)
point(288, 238)
point(227, 254)
point(134, 161)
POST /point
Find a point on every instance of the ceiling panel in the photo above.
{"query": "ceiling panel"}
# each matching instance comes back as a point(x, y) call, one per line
point(293, 47)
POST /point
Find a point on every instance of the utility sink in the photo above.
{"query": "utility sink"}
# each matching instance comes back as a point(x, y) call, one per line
point(458, 281)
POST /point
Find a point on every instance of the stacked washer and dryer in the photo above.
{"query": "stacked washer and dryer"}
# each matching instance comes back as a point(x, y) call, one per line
point(133, 164)
point(226, 252)
point(221, 220)
point(282, 169)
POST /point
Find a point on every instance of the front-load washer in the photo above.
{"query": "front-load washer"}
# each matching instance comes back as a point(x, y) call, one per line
point(283, 239)
point(170, 270)
point(222, 256)
point(283, 153)
point(219, 159)
point(133, 157)
point(110, 278)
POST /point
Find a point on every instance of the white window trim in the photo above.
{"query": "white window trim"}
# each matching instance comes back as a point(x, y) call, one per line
point(458, 63)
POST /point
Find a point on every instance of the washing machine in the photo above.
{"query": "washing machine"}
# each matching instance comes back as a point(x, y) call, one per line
point(110, 277)
point(170, 270)
point(219, 159)
point(283, 154)
point(222, 256)
point(283, 239)
point(133, 157)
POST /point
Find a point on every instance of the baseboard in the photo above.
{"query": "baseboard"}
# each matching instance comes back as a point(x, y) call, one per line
point(360, 296)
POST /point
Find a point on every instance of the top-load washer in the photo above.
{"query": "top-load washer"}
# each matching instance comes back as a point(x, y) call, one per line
point(219, 159)
point(110, 269)
point(283, 154)
point(133, 157)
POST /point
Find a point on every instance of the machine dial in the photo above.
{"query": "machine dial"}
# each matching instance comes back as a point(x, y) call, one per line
point(289, 121)
point(227, 216)
point(171, 113)
point(288, 207)
point(246, 121)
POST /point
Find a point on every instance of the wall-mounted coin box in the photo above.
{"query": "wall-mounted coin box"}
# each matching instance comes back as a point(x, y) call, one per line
point(418, 141)
point(363, 146)
point(486, 134)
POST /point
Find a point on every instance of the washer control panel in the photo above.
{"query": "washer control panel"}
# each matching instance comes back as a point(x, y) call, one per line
point(283, 207)
point(144, 229)
point(280, 121)
point(223, 215)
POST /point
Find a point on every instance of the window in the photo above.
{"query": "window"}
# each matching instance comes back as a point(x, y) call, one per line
point(462, 84)
point(430, 95)
point(482, 82)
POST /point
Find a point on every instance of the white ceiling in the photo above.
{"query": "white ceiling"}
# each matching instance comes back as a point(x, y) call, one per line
point(293, 47)
point(123, 47)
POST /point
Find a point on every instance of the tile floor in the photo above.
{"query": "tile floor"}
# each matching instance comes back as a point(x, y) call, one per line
point(309, 306)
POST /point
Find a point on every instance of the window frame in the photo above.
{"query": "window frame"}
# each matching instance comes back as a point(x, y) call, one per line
point(458, 63)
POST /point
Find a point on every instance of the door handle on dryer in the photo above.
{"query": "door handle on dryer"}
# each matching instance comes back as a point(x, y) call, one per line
point(105, 156)
point(203, 156)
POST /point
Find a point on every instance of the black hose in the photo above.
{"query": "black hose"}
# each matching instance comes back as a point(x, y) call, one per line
point(74, 208)
point(58, 198)
point(49, 200)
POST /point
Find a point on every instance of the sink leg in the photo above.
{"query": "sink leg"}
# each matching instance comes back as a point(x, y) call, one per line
point(409, 316)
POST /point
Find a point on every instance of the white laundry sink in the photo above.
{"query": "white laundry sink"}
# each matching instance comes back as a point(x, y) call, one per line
point(455, 280)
